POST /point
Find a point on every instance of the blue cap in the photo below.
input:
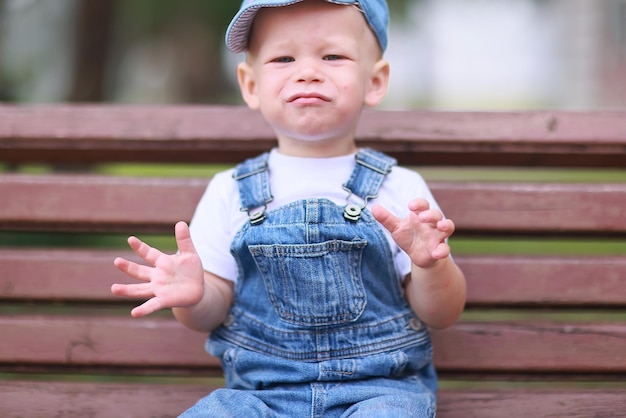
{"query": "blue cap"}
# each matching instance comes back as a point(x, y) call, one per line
point(376, 13)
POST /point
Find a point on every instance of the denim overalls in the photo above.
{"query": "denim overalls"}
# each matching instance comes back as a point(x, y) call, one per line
point(319, 322)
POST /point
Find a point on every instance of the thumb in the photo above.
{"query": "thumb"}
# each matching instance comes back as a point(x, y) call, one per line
point(386, 218)
point(183, 238)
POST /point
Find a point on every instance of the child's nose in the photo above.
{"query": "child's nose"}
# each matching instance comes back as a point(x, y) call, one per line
point(308, 72)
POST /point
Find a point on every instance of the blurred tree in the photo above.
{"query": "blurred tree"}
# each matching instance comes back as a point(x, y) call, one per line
point(196, 29)
point(398, 8)
point(173, 50)
point(192, 32)
point(5, 92)
point(94, 22)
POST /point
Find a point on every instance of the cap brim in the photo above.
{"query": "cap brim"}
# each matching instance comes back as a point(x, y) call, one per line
point(238, 31)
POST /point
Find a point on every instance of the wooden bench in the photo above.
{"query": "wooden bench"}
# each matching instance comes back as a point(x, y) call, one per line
point(543, 335)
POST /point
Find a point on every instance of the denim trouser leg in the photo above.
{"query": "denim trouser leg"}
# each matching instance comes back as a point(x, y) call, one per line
point(388, 398)
point(380, 398)
point(234, 403)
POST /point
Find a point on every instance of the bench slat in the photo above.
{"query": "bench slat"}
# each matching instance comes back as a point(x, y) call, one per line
point(95, 400)
point(532, 208)
point(97, 203)
point(502, 281)
point(531, 347)
point(84, 202)
point(157, 344)
point(98, 133)
point(102, 341)
point(545, 281)
point(550, 403)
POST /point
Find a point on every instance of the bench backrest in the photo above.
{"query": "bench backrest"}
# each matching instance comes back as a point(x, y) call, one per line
point(530, 316)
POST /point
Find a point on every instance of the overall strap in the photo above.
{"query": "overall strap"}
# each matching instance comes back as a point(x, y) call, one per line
point(368, 175)
point(254, 188)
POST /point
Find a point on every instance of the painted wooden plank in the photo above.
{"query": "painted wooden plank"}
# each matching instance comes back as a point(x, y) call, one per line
point(109, 203)
point(531, 208)
point(547, 403)
point(75, 275)
point(500, 281)
point(95, 400)
point(545, 281)
point(532, 347)
point(97, 203)
point(96, 133)
point(100, 341)
point(157, 344)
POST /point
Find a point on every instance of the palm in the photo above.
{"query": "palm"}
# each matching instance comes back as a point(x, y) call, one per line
point(168, 280)
point(422, 234)
point(416, 239)
point(175, 281)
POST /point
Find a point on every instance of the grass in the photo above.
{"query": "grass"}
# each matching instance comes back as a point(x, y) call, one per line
point(542, 246)
point(461, 245)
point(558, 175)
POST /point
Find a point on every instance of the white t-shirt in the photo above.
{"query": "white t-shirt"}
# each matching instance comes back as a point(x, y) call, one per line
point(218, 216)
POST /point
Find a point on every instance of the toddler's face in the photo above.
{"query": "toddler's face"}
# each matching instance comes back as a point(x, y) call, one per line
point(311, 68)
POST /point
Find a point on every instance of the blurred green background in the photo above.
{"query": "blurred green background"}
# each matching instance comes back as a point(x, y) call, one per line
point(444, 54)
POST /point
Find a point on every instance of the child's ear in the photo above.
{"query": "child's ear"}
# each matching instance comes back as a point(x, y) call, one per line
point(379, 81)
point(247, 85)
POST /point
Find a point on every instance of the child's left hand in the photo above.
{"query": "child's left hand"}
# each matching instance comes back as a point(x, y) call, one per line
point(422, 234)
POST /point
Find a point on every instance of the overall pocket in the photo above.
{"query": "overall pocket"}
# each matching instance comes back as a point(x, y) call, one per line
point(314, 284)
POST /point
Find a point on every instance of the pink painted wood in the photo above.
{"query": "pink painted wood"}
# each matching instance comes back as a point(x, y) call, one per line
point(58, 318)
point(99, 203)
point(96, 133)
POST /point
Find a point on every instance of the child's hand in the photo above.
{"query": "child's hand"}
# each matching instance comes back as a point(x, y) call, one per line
point(170, 280)
point(421, 234)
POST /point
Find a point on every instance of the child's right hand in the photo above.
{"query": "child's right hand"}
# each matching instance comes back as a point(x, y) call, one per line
point(169, 280)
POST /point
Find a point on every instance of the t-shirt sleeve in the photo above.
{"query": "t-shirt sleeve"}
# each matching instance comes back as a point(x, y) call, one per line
point(210, 228)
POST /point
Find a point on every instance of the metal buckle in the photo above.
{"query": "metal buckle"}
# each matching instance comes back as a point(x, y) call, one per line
point(257, 217)
point(352, 212)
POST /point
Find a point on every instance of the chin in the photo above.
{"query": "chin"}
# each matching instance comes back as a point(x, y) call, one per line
point(312, 138)
point(307, 136)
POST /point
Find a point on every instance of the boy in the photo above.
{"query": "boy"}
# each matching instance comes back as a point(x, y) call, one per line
point(314, 308)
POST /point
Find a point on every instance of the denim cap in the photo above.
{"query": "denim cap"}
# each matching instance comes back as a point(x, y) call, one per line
point(376, 13)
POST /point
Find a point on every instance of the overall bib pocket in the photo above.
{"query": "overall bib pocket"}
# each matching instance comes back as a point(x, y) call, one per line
point(313, 284)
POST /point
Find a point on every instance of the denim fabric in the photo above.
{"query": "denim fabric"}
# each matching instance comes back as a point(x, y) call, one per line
point(375, 398)
point(320, 326)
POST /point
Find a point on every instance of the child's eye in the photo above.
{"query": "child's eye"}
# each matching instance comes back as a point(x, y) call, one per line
point(283, 59)
point(332, 57)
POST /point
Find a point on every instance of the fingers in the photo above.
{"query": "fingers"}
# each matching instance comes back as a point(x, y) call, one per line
point(441, 251)
point(431, 216)
point(183, 238)
point(143, 250)
point(421, 208)
point(134, 270)
point(150, 306)
point(140, 290)
point(158, 272)
point(386, 219)
point(446, 226)
point(418, 205)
